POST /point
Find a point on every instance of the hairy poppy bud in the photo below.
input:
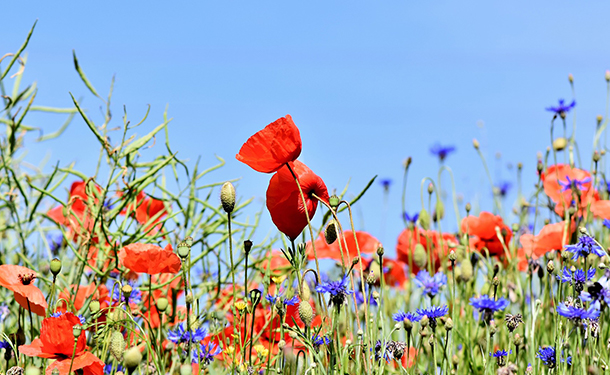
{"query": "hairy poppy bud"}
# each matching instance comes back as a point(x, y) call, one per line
point(55, 266)
point(439, 211)
point(117, 345)
point(330, 233)
point(466, 270)
point(306, 313)
point(186, 370)
point(305, 292)
point(94, 306)
point(227, 197)
point(560, 143)
point(162, 304)
point(420, 257)
point(132, 357)
point(424, 219)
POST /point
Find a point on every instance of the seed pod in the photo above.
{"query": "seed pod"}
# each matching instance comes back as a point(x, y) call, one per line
point(330, 233)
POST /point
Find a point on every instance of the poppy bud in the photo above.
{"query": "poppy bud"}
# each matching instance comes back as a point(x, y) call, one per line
point(162, 304)
point(596, 156)
point(560, 143)
point(305, 292)
point(466, 270)
point(189, 241)
point(183, 250)
point(333, 201)
point(247, 246)
point(475, 143)
point(452, 256)
point(94, 306)
point(439, 211)
point(227, 197)
point(186, 370)
point(306, 313)
point(420, 256)
point(571, 78)
point(132, 357)
point(55, 266)
point(607, 75)
point(32, 370)
point(380, 251)
point(330, 233)
point(76, 331)
point(468, 207)
point(117, 345)
point(424, 219)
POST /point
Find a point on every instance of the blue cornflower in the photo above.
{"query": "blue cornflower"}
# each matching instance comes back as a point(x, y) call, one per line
point(577, 314)
point(318, 340)
point(433, 313)
point(401, 316)
point(5, 345)
point(360, 299)
point(55, 242)
point(503, 187)
point(574, 184)
point(4, 311)
point(500, 356)
point(386, 182)
point(57, 314)
point(488, 306)
point(596, 292)
point(278, 297)
point(181, 335)
point(337, 289)
point(562, 108)
point(441, 151)
point(205, 353)
point(431, 284)
point(585, 246)
point(606, 223)
point(108, 369)
point(548, 356)
point(410, 219)
point(578, 276)
point(134, 297)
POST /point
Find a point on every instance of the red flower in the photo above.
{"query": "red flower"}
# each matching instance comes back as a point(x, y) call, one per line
point(483, 228)
point(150, 259)
point(560, 182)
point(269, 149)
point(409, 238)
point(20, 280)
point(284, 200)
point(367, 243)
point(145, 209)
point(75, 215)
point(57, 342)
point(550, 238)
point(83, 292)
point(394, 271)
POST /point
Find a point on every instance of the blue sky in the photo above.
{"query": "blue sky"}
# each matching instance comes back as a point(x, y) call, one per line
point(368, 84)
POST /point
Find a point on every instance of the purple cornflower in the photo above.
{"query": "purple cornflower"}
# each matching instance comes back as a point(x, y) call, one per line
point(578, 278)
point(278, 297)
point(577, 314)
point(548, 356)
point(386, 182)
point(134, 297)
point(55, 242)
point(562, 108)
point(410, 219)
point(337, 289)
point(606, 223)
point(360, 299)
point(503, 187)
point(488, 306)
point(431, 284)
point(57, 314)
point(205, 353)
point(574, 184)
point(181, 335)
point(433, 313)
point(318, 340)
point(401, 316)
point(500, 356)
point(585, 246)
point(109, 366)
point(441, 151)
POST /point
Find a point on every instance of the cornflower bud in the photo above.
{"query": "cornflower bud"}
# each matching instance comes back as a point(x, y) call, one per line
point(571, 78)
point(475, 143)
point(407, 162)
point(607, 75)
point(550, 267)
point(448, 324)
point(227, 197)
point(380, 251)
point(371, 278)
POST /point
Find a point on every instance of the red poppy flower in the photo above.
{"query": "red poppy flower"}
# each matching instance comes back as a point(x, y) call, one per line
point(150, 259)
point(20, 280)
point(284, 200)
point(75, 215)
point(393, 271)
point(269, 149)
point(83, 292)
point(57, 342)
point(560, 182)
point(551, 237)
point(409, 238)
point(483, 228)
point(367, 243)
point(601, 209)
point(175, 287)
point(146, 208)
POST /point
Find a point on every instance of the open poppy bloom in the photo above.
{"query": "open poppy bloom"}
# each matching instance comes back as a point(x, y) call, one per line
point(100, 294)
point(75, 215)
point(567, 186)
point(551, 237)
point(367, 243)
point(483, 228)
point(145, 209)
point(269, 149)
point(284, 199)
point(409, 238)
point(20, 280)
point(150, 259)
point(57, 342)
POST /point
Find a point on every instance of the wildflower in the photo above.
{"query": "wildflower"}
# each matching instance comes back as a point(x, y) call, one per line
point(606, 223)
point(318, 341)
point(548, 356)
point(488, 306)
point(145, 209)
point(108, 369)
point(412, 219)
point(574, 184)
point(57, 342)
point(500, 356)
point(367, 244)
point(134, 297)
point(433, 313)
point(55, 243)
point(284, 200)
point(431, 284)
point(431, 242)
point(401, 316)
point(205, 353)
point(562, 108)
point(360, 299)
point(57, 314)
point(269, 149)
point(513, 321)
point(396, 349)
point(483, 232)
point(550, 238)
point(596, 292)
point(502, 188)
point(586, 245)
point(182, 335)
point(578, 278)
point(441, 151)
point(150, 259)
point(337, 290)
point(20, 280)
point(393, 272)
point(577, 314)
point(562, 194)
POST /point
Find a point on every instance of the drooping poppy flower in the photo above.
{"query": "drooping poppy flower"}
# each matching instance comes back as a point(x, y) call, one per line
point(551, 237)
point(20, 280)
point(567, 187)
point(367, 243)
point(75, 215)
point(145, 209)
point(429, 239)
point(483, 230)
point(284, 199)
point(57, 342)
point(269, 149)
point(150, 259)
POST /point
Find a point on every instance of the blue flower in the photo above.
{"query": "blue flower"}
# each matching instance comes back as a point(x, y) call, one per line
point(386, 182)
point(337, 289)
point(486, 304)
point(574, 184)
point(5, 345)
point(55, 242)
point(360, 299)
point(578, 276)
point(576, 314)
point(430, 284)
point(503, 187)
point(108, 369)
point(500, 355)
point(596, 292)
point(585, 246)
point(433, 313)
point(278, 297)
point(410, 219)
point(320, 340)
point(401, 316)
point(181, 335)
point(606, 223)
point(441, 151)
point(562, 108)
point(57, 314)
point(134, 297)
point(548, 356)
point(205, 353)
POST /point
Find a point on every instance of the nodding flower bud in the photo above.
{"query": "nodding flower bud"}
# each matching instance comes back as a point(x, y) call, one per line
point(475, 143)
point(94, 306)
point(330, 233)
point(380, 250)
point(560, 143)
point(448, 324)
point(550, 267)
point(305, 291)
point(55, 266)
point(306, 313)
point(189, 241)
point(132, 358)
point(439, 211)
point(227, 197)
point(571, 78)
point(599, 119)
point(76, 331)
point(496, 269)
point(355, 261)
point(333, 201)
point(596, 156)
point(247, 246)
point(420, 258)
point(607, 75)
point(424, 219)
point(407, 162)
point(117, 345)
point(468, 207)
point(162, 304)
point(183, 250)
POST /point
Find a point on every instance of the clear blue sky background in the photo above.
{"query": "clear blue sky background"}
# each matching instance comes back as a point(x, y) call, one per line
point(368, 83)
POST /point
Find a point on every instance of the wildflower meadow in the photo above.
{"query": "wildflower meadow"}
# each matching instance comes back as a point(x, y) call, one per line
point(149, 265)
